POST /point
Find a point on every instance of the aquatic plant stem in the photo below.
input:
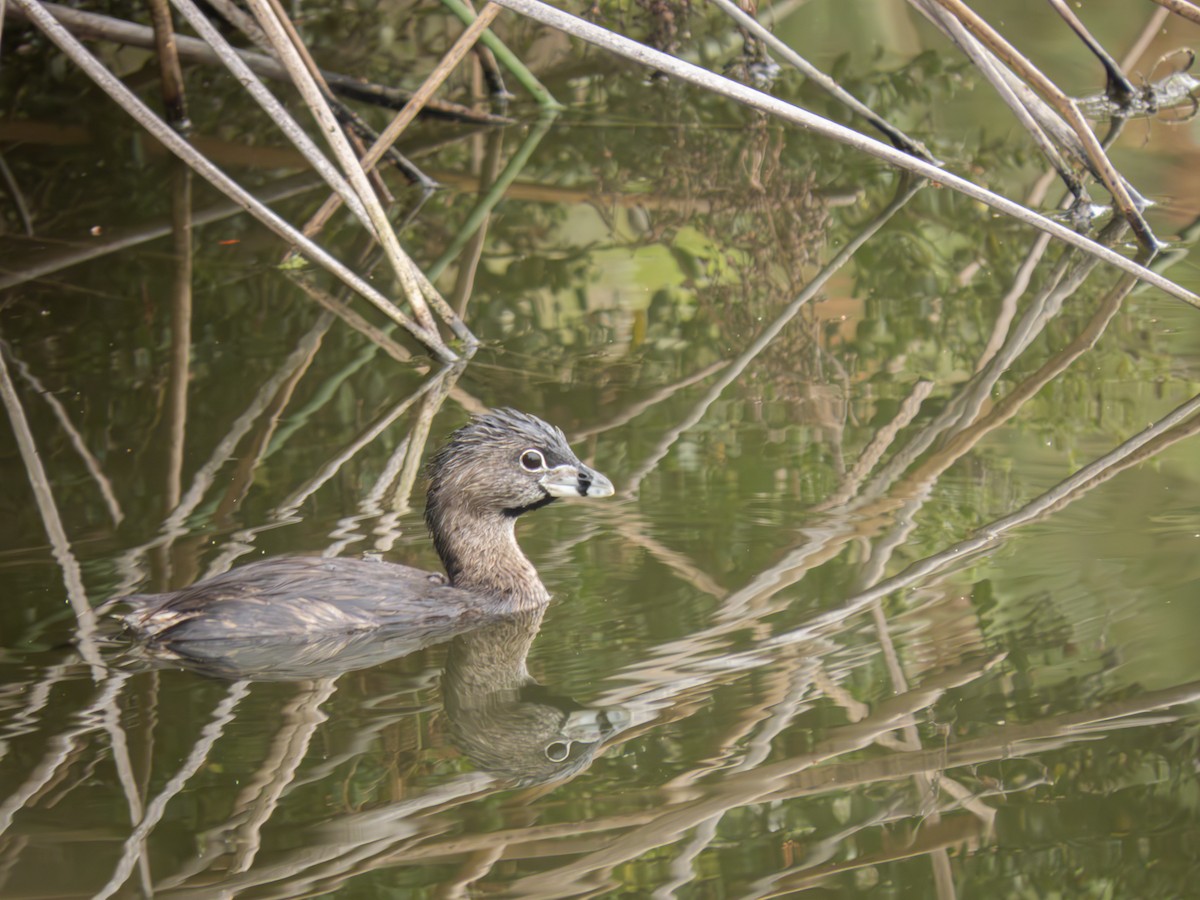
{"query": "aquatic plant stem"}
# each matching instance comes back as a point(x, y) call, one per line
point(506, 57)
point(670, 65)
point(495, 193)
point(180, 147)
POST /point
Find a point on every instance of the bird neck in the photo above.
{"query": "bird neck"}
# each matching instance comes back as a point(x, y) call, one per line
point(481, 554)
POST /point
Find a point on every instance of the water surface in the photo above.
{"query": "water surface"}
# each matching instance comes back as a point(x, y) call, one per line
point(772, 665)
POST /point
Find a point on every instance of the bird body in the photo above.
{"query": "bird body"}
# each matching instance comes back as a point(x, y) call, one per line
point(492, 470)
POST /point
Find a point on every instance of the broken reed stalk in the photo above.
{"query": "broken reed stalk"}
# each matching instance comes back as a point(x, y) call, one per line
point(703, 78)
point(113, 86)
point(1067, 108)
point(1119, 87)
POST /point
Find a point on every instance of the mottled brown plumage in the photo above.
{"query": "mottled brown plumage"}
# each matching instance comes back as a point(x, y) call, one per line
point(492, 470)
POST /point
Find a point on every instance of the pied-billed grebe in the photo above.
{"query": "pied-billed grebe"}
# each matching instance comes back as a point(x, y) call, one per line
point(492, 470)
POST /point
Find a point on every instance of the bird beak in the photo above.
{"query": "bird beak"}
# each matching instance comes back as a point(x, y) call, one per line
point(576, 481)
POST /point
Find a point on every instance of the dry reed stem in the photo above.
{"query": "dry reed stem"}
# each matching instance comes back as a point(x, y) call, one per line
point(748, 96)
point(174, 98)
point(273, 108)
point(97, 27)
point(1066, 107)
point(1183, 8)
point(420, 99)
point(144, 116)
point(292, 59)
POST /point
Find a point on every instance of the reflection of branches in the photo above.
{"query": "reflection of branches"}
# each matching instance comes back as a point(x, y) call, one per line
point(289, 505)
point(89, 460)
point(1168, 430)
point(134, 844)
point(60, 748)
point(51, 521)
point(904, 193)
point(392, 492)
point(739, 789)
point(634, 410)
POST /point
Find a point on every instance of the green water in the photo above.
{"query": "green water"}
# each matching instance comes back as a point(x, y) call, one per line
point(767, 670)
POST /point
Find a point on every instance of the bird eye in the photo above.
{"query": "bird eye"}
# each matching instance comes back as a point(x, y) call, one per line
point(533, 461)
